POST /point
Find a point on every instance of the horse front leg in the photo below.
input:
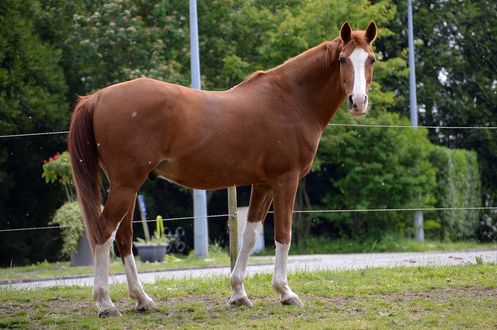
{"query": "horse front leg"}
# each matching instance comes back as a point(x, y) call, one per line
point(284, 191)
point(260, 201)
point(124, 240)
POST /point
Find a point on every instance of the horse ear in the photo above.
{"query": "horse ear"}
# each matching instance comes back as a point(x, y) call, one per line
point(345, 32)
point(371, 32)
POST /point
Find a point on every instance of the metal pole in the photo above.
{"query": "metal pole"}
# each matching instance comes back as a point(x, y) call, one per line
point(201, 236)
point(412, 73)
point(418, 215)
point(233, 225)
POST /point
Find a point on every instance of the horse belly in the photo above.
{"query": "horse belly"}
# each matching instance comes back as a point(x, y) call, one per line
point(209, 174)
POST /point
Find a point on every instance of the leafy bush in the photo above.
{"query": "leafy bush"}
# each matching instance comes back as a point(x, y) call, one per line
point(458, 185)
point(433, 229)
point(371, 168)
point(487, 230)
point(68, 217)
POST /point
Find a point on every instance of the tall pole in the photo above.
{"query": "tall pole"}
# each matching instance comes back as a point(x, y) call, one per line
point(412, 73)
point(418, 215)
point(200, 230)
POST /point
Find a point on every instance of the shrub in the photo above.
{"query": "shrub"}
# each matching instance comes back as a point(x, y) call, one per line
point(370, 168)
point(68, 217)
point(487, 230)
point(458, 185)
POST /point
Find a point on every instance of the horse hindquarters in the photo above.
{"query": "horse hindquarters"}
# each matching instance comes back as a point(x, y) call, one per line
point(102, 228)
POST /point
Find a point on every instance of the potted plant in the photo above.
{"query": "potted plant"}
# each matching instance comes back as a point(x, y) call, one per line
point(57, 169)
point(155, 248)
point(75, 244)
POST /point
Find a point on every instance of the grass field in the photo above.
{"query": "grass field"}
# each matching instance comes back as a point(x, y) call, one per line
point(314, 245)
point(220, 257)
point(45, 270)
point(410, 297)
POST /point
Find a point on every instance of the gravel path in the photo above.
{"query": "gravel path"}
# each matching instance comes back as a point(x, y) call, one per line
point(297, 263)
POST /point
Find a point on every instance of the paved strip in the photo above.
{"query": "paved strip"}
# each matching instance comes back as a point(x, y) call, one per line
point(295, 264)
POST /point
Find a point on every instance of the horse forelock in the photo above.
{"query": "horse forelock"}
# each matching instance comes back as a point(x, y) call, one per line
point(358, 39)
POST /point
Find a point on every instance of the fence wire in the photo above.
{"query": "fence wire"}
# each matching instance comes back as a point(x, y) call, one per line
point(21, 135)
point(7, 136)
point(225, 215)
point(409, 126)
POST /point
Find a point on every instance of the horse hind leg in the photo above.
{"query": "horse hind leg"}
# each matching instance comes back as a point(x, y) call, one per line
point(124, 240)
point(106, 307)
point(116, 208)
point(260, 201)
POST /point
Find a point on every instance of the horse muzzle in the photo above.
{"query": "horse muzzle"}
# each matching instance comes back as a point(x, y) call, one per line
point(358, 104)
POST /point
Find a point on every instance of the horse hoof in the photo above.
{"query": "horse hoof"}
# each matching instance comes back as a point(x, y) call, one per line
point(110, 312)
point(146, 306)
point(295, 301)
point(242, 301)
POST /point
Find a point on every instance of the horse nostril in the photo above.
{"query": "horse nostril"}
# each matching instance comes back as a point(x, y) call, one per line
point(350, 100)
point(365, 99)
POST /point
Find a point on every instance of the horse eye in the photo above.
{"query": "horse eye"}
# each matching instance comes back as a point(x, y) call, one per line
point(373, 60)
point(341, 60)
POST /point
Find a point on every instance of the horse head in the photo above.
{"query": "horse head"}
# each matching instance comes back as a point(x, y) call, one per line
point(356, 66)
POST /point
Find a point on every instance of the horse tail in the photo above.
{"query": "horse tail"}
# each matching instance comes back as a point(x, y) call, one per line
point(85, 167)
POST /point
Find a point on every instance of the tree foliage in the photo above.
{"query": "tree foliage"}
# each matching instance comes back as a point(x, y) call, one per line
point(115, 42)
point(370, 168)
point(32, 99)
point(455, 72)
point(458, 185)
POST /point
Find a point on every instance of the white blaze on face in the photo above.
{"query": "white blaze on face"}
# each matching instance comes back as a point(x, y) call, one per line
point(358, 59)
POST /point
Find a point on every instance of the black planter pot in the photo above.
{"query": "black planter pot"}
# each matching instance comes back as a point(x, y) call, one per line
point(82, 256)
point(151, 253)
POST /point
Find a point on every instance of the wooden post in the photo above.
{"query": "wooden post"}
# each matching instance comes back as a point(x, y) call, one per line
point(232, 226)
point(143, 216)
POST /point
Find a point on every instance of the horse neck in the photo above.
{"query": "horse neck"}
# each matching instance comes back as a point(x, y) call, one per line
point(314, 78)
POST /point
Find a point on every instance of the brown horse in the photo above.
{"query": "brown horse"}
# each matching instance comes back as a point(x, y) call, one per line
point(263, 132)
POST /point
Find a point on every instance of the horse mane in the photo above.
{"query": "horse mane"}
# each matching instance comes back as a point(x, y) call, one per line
point(328, 48)
point(332, 48)
point(252, 77)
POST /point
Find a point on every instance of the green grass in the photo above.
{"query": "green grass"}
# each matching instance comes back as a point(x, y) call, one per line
point(45, 270)
point(323, 245)
point(447, 297)
point(219, 257)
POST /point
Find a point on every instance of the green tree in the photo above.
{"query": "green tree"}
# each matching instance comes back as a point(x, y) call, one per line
point(455, 72)
point(32, 99)
point(115, 43)
point(458, 185)
point(370, 168)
